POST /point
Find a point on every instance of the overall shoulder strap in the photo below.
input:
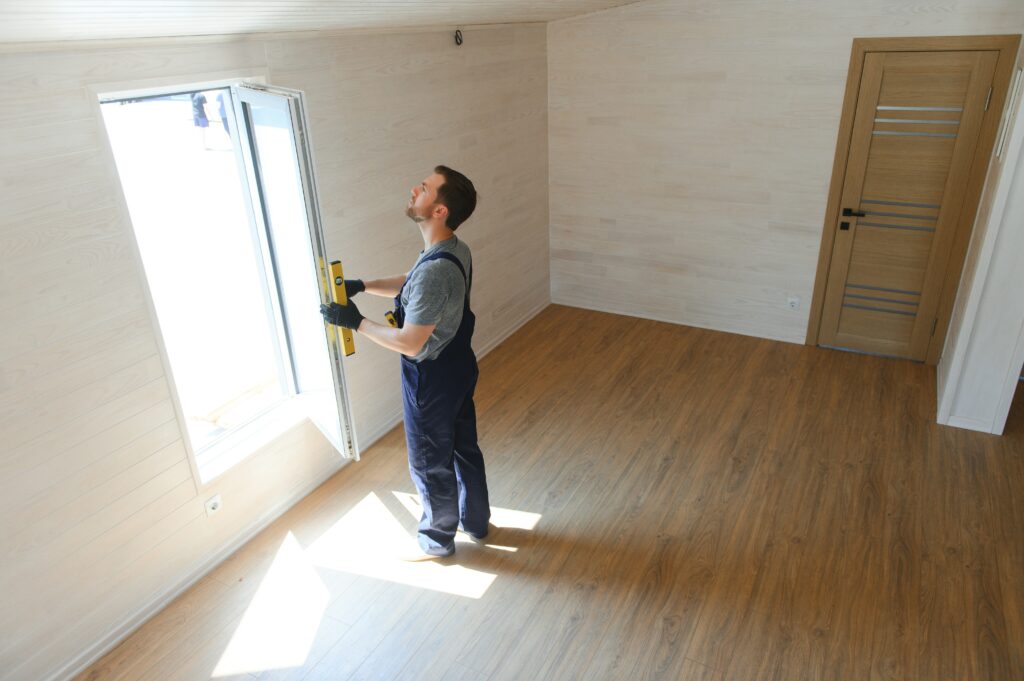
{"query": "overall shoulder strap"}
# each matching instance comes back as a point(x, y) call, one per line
point(445, 255)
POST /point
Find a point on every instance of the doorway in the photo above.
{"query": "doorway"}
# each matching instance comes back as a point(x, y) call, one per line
point(917, 130)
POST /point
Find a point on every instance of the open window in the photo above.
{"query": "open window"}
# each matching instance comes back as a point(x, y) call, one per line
point(222, 196)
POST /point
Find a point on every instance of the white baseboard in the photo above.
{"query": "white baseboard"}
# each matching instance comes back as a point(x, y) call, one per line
point(518, 324)
point(141, 616)
point(968, 424)
point(378, 431)
point(587, 305)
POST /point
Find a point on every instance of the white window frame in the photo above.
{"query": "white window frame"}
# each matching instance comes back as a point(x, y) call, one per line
point(237, 445)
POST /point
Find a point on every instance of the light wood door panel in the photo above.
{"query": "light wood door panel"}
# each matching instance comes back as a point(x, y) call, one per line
point(915, 133)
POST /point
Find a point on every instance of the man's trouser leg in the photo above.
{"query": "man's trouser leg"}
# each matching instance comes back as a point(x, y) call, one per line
point(474, 505)
point(430, 403)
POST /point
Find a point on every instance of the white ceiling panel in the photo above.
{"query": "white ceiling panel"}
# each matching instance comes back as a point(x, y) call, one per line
point(46, 20)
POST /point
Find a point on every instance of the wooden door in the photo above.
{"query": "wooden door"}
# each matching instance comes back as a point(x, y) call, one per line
point(905, 196)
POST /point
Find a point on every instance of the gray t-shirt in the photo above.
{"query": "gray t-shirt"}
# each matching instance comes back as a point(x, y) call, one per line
point(434, 294)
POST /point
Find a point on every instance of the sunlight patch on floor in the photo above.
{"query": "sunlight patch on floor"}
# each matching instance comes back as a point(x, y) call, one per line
point(279, 626)
point(499, 547)
point(370, 541)
point(500, 517)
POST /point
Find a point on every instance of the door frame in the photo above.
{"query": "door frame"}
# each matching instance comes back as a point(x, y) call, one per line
point(1007, 46)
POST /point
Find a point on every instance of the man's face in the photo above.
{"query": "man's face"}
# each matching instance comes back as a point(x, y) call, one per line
point(422, 203)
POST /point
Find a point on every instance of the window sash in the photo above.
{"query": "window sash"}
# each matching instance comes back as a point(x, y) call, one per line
point(327, 402)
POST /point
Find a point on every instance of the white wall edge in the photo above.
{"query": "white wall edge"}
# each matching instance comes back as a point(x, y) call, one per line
point(1010, 386)
point(948, 372)
point(145, 613)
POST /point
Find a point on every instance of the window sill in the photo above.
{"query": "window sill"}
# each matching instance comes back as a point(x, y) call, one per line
point(248, 439)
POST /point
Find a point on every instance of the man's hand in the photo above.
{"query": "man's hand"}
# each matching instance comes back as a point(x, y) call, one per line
point(347, 316)
point(354, 286)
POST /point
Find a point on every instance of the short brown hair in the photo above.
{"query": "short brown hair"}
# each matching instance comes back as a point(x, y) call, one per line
point(457, 194)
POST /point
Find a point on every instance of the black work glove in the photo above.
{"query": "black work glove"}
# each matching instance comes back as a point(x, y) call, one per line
point(347, 316)
point(354, 286)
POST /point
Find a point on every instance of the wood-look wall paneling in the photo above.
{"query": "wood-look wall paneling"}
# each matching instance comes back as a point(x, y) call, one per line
point(32, 468)
point(691, 146)
point(101, 518)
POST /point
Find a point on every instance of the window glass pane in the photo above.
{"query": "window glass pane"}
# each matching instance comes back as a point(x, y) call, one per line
point(202, 261)
point(288, 201)
point(285, 206)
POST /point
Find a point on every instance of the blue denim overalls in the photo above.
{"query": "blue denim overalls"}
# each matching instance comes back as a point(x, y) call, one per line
point(445, 461)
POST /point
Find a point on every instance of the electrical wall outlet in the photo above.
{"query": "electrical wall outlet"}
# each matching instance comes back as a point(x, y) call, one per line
point(793, 302)
point(212, 505)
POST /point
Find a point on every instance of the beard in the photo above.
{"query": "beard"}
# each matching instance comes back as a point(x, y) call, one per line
point(414, 216)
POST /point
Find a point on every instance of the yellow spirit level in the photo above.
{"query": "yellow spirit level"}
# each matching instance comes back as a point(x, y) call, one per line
point(348, 344)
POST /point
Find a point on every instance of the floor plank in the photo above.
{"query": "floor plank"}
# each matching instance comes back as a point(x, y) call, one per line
point(711, 507)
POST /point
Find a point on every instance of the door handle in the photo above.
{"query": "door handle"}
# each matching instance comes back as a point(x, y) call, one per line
point(849, 212)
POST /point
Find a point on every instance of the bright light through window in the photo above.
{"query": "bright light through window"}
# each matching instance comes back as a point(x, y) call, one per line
point(202, 258)
point(369, 541)
point(231, 241)
point(280, 625)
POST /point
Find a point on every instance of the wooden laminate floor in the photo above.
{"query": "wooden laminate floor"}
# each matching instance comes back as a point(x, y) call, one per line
point(673, 503)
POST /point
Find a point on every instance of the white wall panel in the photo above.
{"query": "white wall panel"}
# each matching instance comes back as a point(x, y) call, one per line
point(100, 518)
point(126, 468)
point(691, 147)
point(79, 440)
point(981, 363)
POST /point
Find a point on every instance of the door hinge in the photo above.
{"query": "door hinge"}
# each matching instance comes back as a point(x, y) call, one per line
point(935, 324)
point(988, 99)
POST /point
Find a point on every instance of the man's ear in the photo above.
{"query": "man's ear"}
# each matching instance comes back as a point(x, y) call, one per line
point(441, 211)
